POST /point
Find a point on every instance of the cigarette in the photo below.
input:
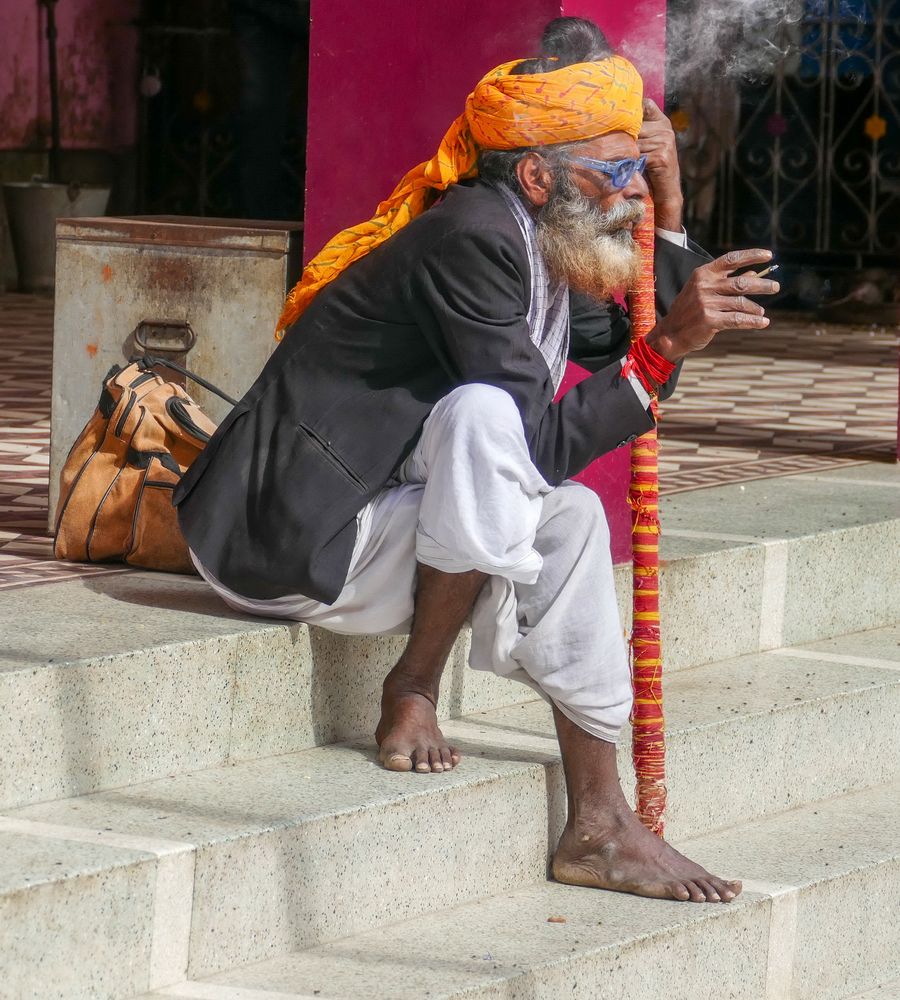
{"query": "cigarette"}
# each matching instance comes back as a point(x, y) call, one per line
point(768, 270)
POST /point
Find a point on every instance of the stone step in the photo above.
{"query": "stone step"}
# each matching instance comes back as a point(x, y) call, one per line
point(266, 856)
point(886, 991)
point(817, 566)
point(816, 921)
point(111, 680)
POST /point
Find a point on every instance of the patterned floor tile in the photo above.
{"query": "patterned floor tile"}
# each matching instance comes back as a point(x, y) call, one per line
point(26, 548)
point(799, 397)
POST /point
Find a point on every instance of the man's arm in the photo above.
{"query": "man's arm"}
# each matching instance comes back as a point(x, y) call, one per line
point(657, 142)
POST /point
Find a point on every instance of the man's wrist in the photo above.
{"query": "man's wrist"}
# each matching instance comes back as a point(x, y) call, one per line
point(647, 365)
point(668, 214)
point(664, 345)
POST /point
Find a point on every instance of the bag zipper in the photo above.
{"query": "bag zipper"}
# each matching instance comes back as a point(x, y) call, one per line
point(90, 535)
point(64, 505)
point(120, 423)
point(128, 548)
point(141, 379)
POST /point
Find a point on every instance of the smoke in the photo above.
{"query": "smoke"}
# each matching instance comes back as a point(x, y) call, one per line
point(732, 40)
point(713, 40)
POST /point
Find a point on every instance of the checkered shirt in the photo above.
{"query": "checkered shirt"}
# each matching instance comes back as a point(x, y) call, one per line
point(548, 311)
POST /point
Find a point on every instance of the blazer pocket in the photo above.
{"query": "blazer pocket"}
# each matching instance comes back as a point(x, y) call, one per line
point(325, 449)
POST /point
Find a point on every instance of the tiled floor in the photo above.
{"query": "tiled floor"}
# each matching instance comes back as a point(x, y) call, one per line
point(26, 549)
point(797, 397)
point(801, 396)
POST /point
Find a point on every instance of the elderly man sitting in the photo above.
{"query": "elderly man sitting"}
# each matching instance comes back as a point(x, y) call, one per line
point(400, 463)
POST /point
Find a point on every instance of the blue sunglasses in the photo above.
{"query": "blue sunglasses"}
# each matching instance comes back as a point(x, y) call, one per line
point(620, 171)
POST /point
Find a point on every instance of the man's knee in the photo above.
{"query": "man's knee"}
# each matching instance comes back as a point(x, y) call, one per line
point(474, 436)
point(617, 715)
point(484, 406)
point(579, 509)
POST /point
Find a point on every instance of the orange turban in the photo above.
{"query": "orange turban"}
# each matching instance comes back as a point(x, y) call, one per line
point(505, 111)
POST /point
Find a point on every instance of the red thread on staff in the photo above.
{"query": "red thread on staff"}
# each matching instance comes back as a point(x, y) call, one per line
point(650, 367)
point(647, 720)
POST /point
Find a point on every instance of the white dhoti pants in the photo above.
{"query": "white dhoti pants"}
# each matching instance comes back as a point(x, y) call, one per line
point(470, 498)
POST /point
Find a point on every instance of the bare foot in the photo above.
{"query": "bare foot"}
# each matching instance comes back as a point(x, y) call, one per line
point(618, 852)
point(408, 735)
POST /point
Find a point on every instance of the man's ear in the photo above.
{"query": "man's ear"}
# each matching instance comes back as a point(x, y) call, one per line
point(535, 179)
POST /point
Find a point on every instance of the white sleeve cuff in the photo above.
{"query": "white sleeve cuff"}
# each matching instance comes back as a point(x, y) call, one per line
point(639, 390)
point(679, 239)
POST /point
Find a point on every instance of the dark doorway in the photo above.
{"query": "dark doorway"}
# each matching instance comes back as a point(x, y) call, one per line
point(223, 108)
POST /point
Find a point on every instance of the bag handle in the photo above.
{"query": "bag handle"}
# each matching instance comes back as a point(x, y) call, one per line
point(151, 360)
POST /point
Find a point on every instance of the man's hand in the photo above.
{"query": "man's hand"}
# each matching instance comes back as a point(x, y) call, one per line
point(656, 141)
point(713, 300)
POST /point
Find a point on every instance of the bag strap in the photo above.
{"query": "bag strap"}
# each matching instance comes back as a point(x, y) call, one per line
point(151, 360)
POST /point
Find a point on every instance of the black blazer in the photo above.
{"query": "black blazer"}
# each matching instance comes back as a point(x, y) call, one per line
point(270, 505)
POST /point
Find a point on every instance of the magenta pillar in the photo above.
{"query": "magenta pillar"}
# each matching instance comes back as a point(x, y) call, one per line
point(385, 82)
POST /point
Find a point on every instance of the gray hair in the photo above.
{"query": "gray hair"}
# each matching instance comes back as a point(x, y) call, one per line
point(498, 166)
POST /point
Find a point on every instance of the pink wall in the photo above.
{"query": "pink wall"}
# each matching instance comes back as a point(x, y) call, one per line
point(385, 81)
point(97, 53)
point(637, 30)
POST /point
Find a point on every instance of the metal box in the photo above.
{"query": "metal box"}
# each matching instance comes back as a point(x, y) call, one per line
point(205, 292)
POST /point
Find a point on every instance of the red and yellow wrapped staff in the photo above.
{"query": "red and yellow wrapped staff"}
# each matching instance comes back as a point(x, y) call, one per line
point(648, 723)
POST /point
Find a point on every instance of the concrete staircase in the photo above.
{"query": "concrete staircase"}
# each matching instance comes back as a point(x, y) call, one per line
point(190, 804)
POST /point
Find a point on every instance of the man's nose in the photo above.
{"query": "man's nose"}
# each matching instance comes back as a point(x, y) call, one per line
point(636, 187)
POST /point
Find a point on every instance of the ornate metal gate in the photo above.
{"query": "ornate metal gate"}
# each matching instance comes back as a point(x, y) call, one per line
point(807, 159)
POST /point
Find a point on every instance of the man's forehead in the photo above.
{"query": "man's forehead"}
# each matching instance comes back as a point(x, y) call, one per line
point(614, 146)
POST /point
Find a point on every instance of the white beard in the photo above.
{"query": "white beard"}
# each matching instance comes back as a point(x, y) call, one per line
point(589, 249)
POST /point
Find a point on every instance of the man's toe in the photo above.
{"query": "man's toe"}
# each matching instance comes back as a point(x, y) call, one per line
point(679, 890)
point(727, 890)
point(434, 759)
point(697, 895)
point(395, 761)
point(446, 759)
point(710, 890)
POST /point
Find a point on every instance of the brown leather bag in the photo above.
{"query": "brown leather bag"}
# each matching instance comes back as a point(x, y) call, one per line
point(115, 496)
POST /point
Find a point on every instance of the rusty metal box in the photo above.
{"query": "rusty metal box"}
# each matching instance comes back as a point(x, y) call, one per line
point(205, 292)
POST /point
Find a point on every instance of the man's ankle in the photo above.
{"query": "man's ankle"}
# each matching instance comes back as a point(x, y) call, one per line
point(406, 679)
point(606, 814)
